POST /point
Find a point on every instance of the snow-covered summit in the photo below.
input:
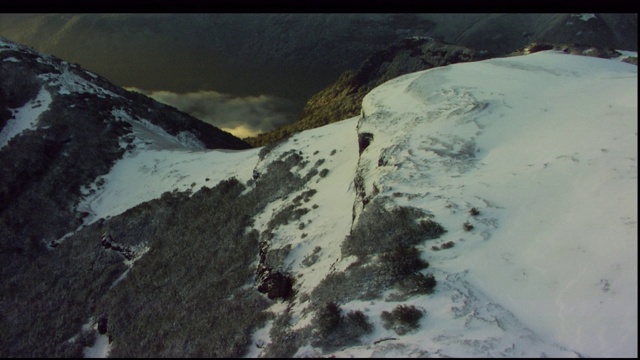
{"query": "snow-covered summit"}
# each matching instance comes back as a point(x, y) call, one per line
point(544, 146)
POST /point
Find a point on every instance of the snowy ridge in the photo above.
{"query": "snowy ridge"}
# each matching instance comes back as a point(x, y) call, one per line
point(543, 146)
point(546, 171)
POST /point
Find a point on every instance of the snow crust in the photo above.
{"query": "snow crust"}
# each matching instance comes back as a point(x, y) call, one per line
point(545, 147)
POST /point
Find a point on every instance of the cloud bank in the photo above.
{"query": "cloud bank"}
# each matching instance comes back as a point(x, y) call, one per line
point(241, 116)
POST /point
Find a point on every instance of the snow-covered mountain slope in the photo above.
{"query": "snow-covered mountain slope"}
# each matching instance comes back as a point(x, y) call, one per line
point(304, 248)
point(542, 146)
point(61, 128)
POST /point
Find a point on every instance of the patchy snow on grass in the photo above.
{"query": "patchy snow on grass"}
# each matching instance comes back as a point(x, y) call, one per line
point(26, 117)
point(144, 175)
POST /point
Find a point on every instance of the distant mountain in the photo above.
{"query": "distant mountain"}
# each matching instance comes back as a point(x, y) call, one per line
point(289, 55)
point(479, 209)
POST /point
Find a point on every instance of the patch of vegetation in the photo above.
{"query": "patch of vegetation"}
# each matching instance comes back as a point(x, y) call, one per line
point(401, 261)
point(413, 284)
point(474, 212)
point(378, 229)
point(384, 243)
point(332, 329)
point(284, 341)
point(189, 290)
point(312, 258)
point(448, 245)
point(402, 319)
point(467, 226)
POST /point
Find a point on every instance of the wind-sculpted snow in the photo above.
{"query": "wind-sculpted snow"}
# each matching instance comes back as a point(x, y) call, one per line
point(544, 146)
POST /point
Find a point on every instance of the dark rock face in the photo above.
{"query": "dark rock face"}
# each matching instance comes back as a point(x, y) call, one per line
point(276, 285)
point(364, 140)
point(102, 325)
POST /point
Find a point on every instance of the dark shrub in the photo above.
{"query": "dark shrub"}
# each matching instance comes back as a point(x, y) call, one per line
point(448, 245)
point(335, 330)
point(431, 229)
point(403, 319)
point(467, 226)
point(328, 318)
point(359, 319)
point(402, 261)
point(277, 285)
point(416, 284)
point(364, 140)
point(474, 212)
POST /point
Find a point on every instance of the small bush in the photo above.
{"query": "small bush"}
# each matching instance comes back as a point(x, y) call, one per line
point(417, 284)
point(402, 261)
point(328, 318)
point(284, 342)
point(359, 319)
point(335, 330)
point(403, 319)
point(467, 226)
point(448, 245)
point(431, 229)
point(474, 212)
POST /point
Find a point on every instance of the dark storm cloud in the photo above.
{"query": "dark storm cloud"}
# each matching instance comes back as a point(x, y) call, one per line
point(241, 116)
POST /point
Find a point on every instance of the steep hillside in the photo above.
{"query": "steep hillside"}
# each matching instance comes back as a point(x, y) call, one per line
point(61, 129)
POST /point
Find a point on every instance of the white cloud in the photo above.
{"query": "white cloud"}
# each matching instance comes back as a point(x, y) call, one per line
point(241, 116)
